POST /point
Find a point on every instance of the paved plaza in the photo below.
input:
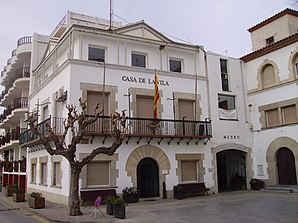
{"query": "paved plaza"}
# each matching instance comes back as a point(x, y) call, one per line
point(231, 207)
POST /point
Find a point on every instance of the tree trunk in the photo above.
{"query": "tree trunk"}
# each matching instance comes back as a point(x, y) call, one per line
point(74, 201)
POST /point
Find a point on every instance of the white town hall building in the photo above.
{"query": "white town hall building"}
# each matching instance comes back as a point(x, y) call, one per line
point(217, 115)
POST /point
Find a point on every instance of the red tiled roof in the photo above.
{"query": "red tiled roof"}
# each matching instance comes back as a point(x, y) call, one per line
point(272, 18)
point(268, 49)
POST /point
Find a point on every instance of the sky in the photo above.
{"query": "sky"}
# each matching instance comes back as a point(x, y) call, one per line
point(218, 25)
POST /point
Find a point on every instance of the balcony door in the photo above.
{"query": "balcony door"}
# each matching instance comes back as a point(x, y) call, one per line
point(186, 112)
point(94, 98)
point(145, 106)
point(144, 110)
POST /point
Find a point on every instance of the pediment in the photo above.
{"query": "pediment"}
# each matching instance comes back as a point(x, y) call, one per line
point(143, 30)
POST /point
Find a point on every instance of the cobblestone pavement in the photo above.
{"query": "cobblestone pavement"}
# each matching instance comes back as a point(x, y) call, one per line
point(231, 207)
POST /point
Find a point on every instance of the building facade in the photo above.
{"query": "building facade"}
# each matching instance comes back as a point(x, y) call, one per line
point(271, 72)
point(210, 125)
point(15, 79)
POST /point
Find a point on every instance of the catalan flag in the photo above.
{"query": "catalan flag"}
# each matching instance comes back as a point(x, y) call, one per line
point(156, 96)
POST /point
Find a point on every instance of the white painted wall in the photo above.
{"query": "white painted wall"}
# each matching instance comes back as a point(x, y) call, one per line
point(223, 129)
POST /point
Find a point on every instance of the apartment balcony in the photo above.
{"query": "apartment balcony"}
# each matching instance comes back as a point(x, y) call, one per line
point(11, 139)
point(14, 112)
point(140, 128)
point(15, 85)
point(18, 56)
point(17, 166)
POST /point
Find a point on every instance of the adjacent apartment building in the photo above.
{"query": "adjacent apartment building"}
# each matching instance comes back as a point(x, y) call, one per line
point(212, 116)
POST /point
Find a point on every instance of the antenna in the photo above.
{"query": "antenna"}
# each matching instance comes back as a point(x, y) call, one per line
point(111, 14)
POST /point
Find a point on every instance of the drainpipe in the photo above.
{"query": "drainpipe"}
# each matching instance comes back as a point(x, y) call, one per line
point(243, 92)
point(208, 88)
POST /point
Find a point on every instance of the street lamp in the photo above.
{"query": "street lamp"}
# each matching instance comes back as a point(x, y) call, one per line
point(173, 99)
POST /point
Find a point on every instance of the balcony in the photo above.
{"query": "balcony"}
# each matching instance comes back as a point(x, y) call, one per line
point(14, 166)
point(20, 73)
point(24, 40)
point(11, 139)
point(137, 127)
point(17, 103)
point(23, 50)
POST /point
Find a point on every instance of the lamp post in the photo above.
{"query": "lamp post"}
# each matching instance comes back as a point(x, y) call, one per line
point(173, 100)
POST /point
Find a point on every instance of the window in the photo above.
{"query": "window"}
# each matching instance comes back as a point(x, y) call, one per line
point(279, 113)
point(268, 76)
point(224, 75)
point(33, 172)
point(272, 118)
point(189, 170)
point(138, 60)
point(56, 174)
point(226, 102)
point(96, 54)
point(43, 173)
point(289, 114)
point(175, 66)
point(227, 108)
point(98, 174)
point(270, 41)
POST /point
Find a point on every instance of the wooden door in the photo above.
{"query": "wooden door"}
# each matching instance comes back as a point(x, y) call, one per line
point(148, 178)
point(286, 167)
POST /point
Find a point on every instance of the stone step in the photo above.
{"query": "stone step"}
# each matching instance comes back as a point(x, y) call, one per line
point(281, 189)
point(277, 190)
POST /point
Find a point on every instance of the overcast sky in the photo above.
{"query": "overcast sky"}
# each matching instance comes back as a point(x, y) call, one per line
point(219, 25)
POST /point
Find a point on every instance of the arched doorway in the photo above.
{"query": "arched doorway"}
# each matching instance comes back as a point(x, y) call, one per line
point(231, 170)
point(286, 169)
point(148, 178)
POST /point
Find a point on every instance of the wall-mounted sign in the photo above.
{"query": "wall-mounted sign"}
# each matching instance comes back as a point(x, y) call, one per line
point(143, 80)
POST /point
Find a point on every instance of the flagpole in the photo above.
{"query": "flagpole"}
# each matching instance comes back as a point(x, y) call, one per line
point(156, 100)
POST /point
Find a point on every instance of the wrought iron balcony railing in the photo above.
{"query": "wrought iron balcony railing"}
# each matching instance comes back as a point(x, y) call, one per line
point(24, 40)
point(137, 127)
point(20, 73)
point(55, 123)
point(17, 103)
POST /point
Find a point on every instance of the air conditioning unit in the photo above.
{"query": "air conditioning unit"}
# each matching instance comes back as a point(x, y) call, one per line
point(60, 95)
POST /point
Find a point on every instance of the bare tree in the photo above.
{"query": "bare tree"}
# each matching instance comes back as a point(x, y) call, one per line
point(76, 125)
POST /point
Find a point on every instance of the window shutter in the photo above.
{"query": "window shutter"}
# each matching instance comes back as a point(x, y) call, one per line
point(98, 173)
point(272, 117)
point(189, 170)
point(289, 114)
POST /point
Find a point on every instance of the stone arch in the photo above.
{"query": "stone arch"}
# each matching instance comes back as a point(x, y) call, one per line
point(260, 72)
point(235, 146)
point(153, 152)
point(291, 66)
point(274, 146)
